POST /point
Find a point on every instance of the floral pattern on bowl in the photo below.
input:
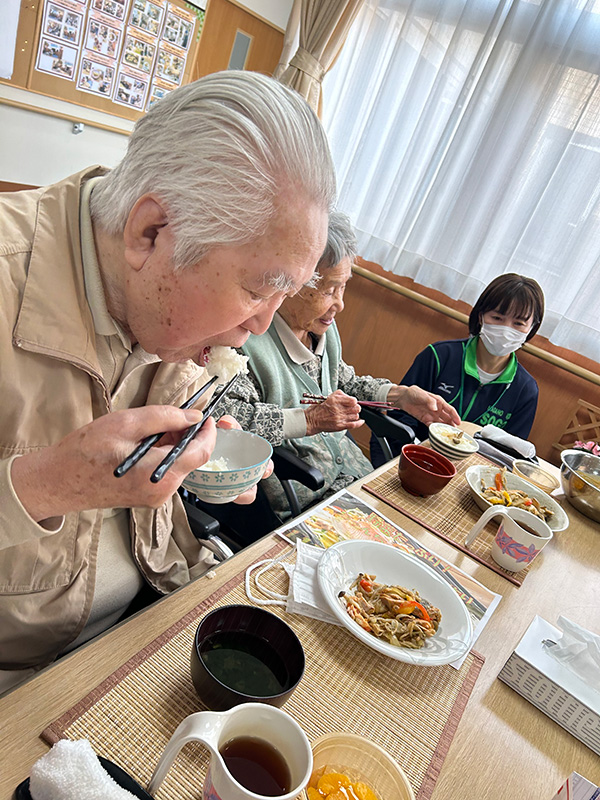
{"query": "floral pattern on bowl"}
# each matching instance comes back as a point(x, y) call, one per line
point(247, 456)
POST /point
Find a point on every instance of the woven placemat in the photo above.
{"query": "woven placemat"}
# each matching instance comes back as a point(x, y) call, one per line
point(411, 711)
point(450, 514)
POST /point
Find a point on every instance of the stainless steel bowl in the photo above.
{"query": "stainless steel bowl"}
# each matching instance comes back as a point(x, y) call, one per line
point(580, 478)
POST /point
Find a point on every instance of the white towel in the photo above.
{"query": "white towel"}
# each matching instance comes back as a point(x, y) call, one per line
point(71, 771)
point(522, 446)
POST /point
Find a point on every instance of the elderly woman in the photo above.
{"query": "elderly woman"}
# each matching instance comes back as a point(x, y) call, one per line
point(302, 352)
point(481, 375)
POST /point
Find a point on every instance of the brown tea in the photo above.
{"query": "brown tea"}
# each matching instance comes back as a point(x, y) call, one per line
point(257, 766)
point(529, 529)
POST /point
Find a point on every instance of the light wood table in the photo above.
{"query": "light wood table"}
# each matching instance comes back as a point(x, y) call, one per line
point(504, 746)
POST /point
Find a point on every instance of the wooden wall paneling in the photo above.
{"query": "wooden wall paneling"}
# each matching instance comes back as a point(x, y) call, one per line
point(583, 425)
point(223, 20)
point(382, 332)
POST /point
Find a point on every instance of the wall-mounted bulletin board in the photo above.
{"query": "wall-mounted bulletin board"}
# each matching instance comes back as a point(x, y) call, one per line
point(117, 56)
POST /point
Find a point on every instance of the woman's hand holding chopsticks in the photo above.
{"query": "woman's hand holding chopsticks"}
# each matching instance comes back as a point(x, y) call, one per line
point(338, 412)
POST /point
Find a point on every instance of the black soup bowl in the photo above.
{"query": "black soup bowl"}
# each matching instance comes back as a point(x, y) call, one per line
point(244, 654)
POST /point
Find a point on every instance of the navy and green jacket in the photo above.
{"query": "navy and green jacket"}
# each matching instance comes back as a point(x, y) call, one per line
point(450, 370)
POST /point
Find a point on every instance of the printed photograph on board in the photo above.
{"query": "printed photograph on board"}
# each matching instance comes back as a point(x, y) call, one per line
point(62, 23)
point(170, 66)
point(178, 31)
point(147, 16)
point(96, 77)
point(114, 8)
point(138, 53)
point(156, 94)
point(102, 38)
point(130, 91)
point(57, 59)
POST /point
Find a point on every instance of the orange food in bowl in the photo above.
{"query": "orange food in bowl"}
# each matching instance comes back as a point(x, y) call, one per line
point(338, 786)
point(372, 774)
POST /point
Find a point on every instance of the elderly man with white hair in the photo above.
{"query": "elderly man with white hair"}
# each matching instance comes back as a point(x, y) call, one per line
point(115, 284)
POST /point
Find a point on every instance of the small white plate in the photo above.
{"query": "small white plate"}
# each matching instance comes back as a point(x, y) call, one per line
point(338, 569)
point(558, 522)
point(440, 436)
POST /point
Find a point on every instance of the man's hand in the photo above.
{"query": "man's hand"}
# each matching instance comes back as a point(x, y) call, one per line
point(422, 405)
point(249, 496)
point(339, 412)
point(77, 473)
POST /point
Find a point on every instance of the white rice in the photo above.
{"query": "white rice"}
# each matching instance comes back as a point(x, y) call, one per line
point(226, 362)
point(215, 465)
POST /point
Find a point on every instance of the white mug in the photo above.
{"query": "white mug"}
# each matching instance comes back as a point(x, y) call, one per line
point(215, 728)
point(514, 547)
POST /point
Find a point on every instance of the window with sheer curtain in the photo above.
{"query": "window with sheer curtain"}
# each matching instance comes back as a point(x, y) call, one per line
point(466, 137)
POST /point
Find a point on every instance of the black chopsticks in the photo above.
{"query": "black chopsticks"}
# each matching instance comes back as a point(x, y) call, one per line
point(187, 437)
point(150, 441)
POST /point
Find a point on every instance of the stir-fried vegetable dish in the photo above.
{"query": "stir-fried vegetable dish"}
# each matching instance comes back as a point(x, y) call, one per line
point(500, 495)
point(393, 613)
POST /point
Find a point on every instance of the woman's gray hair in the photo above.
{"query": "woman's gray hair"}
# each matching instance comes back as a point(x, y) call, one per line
point(217, 153)
point(341, 241)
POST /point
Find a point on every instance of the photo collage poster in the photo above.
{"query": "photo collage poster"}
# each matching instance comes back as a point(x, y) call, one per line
point(138, 58)
point(132, 52)
point(177, 36)
point(101, 48)
point(60, 38)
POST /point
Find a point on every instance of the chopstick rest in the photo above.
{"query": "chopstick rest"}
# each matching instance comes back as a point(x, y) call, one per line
point(187, 437)
point(150, 441)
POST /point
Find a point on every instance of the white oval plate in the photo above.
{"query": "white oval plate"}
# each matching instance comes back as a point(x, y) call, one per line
point(558, 522)
point(338, 569)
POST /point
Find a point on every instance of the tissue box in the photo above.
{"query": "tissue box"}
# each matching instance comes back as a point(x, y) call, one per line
point(551, 687)
point(577, 788)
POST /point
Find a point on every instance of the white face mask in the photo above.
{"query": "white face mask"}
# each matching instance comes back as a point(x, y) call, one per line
point(501, 340)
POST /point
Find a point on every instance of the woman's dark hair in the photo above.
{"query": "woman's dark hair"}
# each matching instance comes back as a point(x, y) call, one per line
point(513, 295)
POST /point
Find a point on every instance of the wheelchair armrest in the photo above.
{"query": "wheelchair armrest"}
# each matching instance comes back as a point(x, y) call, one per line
point(205, 528)
point(386, 426)
point(201, 523)
point(289, 467)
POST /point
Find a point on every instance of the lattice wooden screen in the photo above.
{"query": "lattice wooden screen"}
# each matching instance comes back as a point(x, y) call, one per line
point(583, 424)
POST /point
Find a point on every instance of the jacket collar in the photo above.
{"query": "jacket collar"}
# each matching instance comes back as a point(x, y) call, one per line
point(507, 376)
point(54, 317)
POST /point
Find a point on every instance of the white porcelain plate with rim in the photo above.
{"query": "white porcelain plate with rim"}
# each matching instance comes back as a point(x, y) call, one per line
point(338, 569)
point(559, 521)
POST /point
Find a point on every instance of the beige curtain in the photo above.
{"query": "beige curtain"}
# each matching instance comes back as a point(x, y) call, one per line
point(320, 28)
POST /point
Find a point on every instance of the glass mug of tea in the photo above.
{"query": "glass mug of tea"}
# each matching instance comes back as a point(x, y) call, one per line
point(244, 764)
point(520, 537)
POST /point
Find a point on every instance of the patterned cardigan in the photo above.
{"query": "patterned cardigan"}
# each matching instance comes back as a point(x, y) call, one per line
point(256, 402)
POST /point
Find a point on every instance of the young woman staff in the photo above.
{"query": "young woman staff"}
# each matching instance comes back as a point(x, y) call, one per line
point(481, 376)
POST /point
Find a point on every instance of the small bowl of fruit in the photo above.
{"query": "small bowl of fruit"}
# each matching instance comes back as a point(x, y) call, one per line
point(346, 765)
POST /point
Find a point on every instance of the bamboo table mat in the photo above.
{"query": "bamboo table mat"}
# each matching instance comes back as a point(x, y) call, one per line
point(449, 514)
point(131, 715)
